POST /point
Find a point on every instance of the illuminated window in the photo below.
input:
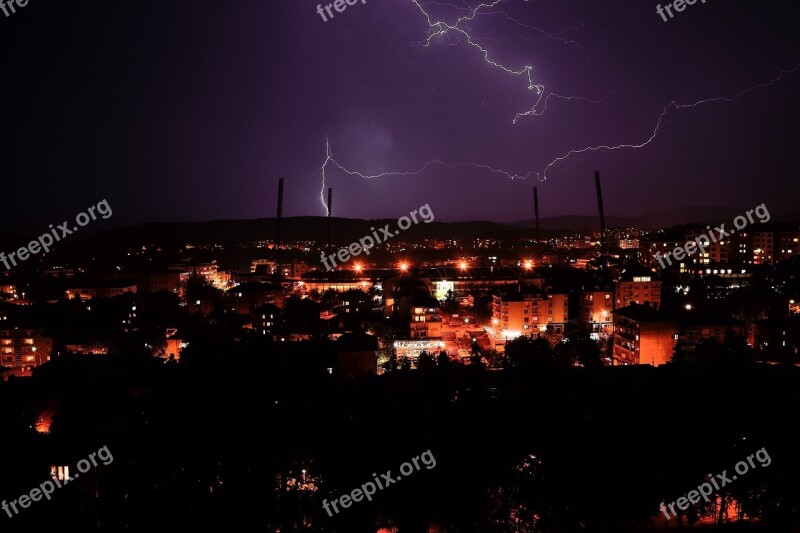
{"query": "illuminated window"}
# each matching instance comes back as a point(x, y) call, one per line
point(59, 472)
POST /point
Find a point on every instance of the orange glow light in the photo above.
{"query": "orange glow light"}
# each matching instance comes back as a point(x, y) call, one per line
point(404, 267)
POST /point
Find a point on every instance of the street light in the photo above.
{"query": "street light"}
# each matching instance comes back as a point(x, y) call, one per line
point(404, 266)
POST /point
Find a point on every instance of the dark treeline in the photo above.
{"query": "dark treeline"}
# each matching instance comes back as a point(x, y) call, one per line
point(221, 439)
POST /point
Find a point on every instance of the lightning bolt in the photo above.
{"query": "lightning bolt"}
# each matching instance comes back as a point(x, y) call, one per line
point(329, 160)
point(541, 34)
point(440, 28)
point(672, 106)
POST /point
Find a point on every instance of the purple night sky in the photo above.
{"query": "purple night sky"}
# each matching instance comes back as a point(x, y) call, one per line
point(191, 110)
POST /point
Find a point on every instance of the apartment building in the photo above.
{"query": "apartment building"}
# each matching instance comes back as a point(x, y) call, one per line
point(528, 314)
point(21, 350)
point(103, 289)
point(596, 308)
point(639, 288)
point(424, 331)
point(643, 336)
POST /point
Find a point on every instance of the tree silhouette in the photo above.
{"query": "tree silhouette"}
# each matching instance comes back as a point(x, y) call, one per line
point(526, 353)
point(426, 362)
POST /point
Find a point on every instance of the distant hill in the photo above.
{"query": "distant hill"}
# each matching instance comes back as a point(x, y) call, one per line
point(346, 230)
point(297, 229)
point(577, 223)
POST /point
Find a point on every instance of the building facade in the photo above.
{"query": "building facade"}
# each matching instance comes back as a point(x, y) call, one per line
point(21, 350)
point(597, 306)
point(642, 290)
point(518, 314)
point(642, 336)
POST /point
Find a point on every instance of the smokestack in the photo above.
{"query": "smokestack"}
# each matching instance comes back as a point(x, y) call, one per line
point(330, 214)
point(278, 226)
point(536, 210)
point(602, 214)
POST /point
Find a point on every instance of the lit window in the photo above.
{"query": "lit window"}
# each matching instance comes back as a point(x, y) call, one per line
point(59, 472)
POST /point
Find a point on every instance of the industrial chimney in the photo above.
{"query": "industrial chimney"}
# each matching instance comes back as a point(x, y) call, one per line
point(536, 210)
point(602, 214)
point(278, 228)
point(330, 214)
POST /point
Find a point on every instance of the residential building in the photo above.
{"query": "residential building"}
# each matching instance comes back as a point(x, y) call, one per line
point(248, 296)
point(643, 336)
point(597, 306)
point(693, 330)
point(103, 289)
point(23, 349)
point(267, 320)
point(641, 287)
point(528, 314)
point(173, 281)
point(424, 328)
